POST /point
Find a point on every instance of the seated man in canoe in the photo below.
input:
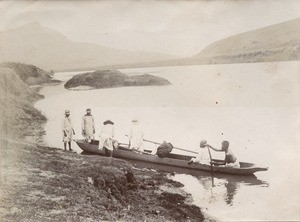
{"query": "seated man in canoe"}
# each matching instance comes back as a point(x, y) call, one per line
point(203, 156)
point(230, 159)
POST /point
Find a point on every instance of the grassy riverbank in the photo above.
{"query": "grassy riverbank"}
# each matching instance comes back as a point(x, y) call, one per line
point(41, 183)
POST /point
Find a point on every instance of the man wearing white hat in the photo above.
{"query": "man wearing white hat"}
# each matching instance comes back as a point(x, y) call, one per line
point(88, 126)
point(68, 130)
point(136, 136)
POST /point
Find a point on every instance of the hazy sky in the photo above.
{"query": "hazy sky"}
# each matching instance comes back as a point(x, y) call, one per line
point(175, 27)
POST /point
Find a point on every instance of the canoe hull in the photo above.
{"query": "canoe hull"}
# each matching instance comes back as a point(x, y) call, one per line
point(170, 160)
point(93, 148)
point(245, 169)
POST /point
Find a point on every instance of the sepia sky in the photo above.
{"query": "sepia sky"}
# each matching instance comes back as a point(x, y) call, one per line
point(180, 28)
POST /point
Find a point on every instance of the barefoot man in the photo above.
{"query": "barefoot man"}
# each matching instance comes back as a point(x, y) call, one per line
point(68, 130)
point(88, 126)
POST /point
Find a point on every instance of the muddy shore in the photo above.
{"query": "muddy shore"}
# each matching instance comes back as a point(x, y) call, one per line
point(40, 183)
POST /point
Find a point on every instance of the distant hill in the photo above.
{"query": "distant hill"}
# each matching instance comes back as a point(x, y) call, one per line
point(280, 42)
point(50, 50)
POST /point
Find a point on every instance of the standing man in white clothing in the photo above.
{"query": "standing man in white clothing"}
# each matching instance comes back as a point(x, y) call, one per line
point(88, 126)
point(136, 136)
point(107, 135)
point(68, 130)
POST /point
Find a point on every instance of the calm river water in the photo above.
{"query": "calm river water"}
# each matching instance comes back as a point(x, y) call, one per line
point(254, 106)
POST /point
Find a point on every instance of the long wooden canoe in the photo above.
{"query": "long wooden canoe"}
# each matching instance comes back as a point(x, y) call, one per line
point(171, 159)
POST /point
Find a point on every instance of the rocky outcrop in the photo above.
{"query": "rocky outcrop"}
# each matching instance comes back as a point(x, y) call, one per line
point(113, 78)
point(18, 116)
point(30, 74)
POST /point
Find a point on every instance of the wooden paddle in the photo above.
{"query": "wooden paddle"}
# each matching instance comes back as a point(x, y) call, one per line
point(125, 144)
point(156, 143)
point(173, 146)
point(211, 166)
point(211, 163)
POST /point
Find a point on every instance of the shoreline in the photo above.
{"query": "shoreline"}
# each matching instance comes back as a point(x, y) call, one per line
point(46, 183)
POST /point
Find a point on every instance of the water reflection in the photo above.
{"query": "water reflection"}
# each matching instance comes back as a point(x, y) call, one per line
point(224, 189)
point(213, 188)
point(231, 191)
point(206, 188)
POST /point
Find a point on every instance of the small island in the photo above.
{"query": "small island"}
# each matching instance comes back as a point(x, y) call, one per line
point(113, 78)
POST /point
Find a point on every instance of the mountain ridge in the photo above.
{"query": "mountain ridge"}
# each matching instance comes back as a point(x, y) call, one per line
point(49, 49)
point(286, 47)
point(278, 42)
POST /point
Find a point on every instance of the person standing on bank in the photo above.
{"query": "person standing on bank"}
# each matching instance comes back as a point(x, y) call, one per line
point(88, 126)
point(68, 130)
point(136, 136)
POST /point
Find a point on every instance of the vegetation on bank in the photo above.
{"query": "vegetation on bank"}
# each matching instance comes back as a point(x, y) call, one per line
point(40, 183)
point(50, 184)
point(18, 116)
